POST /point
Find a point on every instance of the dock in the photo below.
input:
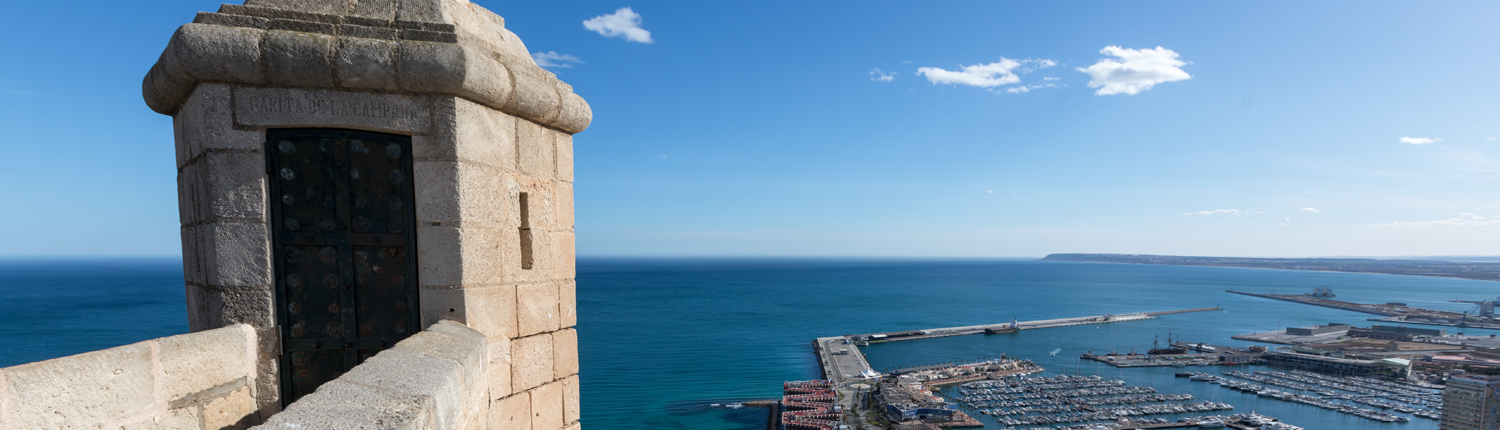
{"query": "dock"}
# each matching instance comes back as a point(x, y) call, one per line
point(1202, 355)
point(1017, 325)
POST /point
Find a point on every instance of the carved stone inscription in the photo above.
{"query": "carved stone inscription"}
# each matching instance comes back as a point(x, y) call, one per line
point(278, 107)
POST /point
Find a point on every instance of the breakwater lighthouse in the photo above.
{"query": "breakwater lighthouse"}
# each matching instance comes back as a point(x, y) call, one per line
point(351, 174)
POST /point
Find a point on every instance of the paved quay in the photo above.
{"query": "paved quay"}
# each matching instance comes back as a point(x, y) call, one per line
point(1018, 325)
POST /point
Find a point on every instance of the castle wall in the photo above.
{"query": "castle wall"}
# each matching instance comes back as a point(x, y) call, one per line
point(203, 380)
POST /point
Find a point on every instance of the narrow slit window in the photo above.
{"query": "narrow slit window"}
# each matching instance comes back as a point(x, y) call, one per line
point(526, 260)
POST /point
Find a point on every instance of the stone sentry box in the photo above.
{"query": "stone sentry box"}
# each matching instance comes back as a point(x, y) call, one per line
point(491, 163)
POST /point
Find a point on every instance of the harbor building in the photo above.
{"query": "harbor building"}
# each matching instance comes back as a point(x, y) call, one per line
point(1317, 329)
point(1338, 362)
point(1401, 333)
point(1471, 402)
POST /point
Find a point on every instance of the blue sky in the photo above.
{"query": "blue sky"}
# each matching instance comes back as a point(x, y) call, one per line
point(754, 128)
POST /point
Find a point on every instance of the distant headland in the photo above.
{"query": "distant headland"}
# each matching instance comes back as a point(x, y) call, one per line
point(1484, 271)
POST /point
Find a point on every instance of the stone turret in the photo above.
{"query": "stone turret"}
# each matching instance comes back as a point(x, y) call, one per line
point(353, 171)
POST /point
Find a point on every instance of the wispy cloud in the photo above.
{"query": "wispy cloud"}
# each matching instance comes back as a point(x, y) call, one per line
point(1027, 88)
point(554, 59)
point(1420, 140)
point(1463, 220)
point(1313, 210)
point(879, 76)
point(1491, 138)
point(1286, 220)
point(1134, 70)
point(1235, 212)
point(623, 23)
point(1005, 72)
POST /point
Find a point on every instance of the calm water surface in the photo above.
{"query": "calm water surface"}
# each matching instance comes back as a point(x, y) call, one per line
point(663, 339)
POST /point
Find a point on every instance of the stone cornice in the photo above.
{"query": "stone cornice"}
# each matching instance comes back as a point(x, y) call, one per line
point(474, 57)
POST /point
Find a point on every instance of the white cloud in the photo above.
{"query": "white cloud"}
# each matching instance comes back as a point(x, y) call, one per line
point(1136, 70)
point(989, 75)
point(1313, 210)
point(1235, 212)
point(1463, 220)
point(1420, 140)
point(1491, 138)
point(1051, 78)
point(554, 59)
point(879, 76)
point(623, 23)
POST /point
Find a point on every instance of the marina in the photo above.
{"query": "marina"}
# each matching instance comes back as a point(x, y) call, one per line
point(1341, 394)
point(1068, 399)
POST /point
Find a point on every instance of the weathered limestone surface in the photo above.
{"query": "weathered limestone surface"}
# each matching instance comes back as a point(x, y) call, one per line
point(282, 107)
point(487, 127)
point(570, 399)
point(203, 380)
point(547, 406)
point(513, 412)
point(432, 380)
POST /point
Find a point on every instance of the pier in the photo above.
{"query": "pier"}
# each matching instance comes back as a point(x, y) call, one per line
point(1017, 325)
point(840, 360)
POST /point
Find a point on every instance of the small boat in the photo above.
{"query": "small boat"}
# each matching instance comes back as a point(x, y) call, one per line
point(1183, 374)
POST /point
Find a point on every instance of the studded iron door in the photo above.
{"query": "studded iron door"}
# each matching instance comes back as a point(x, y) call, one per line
point(345, 250)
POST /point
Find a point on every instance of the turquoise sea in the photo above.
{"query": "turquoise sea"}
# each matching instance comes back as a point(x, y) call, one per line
point(661, 340)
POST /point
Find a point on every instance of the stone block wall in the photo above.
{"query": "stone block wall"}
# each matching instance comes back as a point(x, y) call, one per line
point(198, 381)
point(475, 230)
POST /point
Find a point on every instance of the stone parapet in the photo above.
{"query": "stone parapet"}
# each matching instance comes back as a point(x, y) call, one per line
point(434, 380)
point(203, 380)
point(451, 47)
point(448, 377)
